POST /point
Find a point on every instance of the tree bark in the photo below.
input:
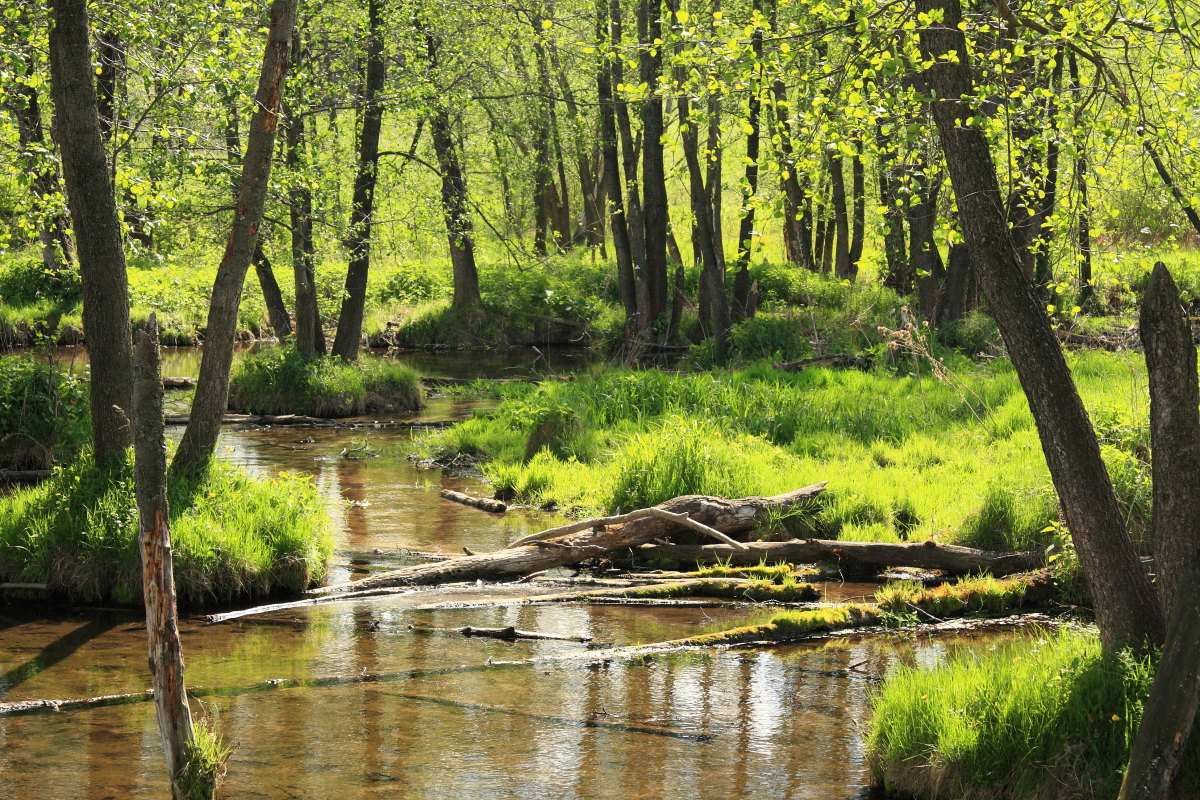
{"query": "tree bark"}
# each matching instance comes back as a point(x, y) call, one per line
point(1127, 609)
point(97, 228)
point(841, 220)
point(610, 156)
point(654, 181)
point(362, 212)
point(455, 204)
point(310, 337)
point(212, 387)
point(1174, 432)
point(154, 542)
point(858, 206)
point(856, 556)
point(899, 276)
point(741, 279)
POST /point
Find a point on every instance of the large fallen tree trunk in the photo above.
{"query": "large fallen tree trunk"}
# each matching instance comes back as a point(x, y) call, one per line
point(726, 516)
point(482, 503)
point(853, 555)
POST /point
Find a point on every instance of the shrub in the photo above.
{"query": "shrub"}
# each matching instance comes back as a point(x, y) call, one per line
point(43, 413)
point(233, 536)
point(279, 380)
point(26, 281)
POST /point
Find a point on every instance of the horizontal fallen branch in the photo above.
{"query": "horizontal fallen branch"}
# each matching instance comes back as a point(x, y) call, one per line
point(178, 383)
point(840, 361)
point(482, 503)
point(599, 523)
point(511, 634)
point(301, 421)
point(948, 558)
point(726, 516)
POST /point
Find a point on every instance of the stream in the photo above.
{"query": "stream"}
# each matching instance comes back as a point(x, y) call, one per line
point(424, 713)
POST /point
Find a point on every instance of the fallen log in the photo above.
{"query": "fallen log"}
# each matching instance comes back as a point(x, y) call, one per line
point(599, 523)
point(839, 361)
point(23, 475)
point(482, 503)
point(178, 383)
point(511, 634)
point(301, 421)
point(727, 516)
point(948, 558)
point(24, 587)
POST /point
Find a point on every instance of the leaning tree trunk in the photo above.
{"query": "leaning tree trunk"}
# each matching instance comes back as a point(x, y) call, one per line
point(154, 542)
point(97, 228)
point(362, 211)
point(1127, 610)
point(212, 387)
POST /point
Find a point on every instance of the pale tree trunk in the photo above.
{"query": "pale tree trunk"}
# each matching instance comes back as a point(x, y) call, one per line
point(1127, 609)
point(97, 228)
point(212, 387)
point(154, 542)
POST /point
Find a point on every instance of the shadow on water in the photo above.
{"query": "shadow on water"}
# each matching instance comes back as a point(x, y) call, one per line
point(55, 652)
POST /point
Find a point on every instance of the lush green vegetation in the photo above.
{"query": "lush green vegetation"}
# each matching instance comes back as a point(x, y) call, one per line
point(43, 413)
point(908, 456)
point(233, 536)
point(279, 380)
point(786, 589)
point(1047, 719)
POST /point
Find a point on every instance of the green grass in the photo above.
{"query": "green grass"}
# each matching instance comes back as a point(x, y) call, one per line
point(279, 380)
point(204, 763)
point(906, 455)
point(1046, 719)
point(234, 536)
point(43, 413)
point(786, 590)
point(969, 595)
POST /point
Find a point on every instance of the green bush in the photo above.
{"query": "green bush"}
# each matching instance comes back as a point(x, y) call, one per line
point(43, 413)
point(234, 536)
point(1051, 718)
point(279, 380)
point(26, 281)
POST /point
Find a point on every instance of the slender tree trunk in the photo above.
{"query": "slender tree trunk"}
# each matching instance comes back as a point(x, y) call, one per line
point(797, 238)
point(97, 228)
point(158, 575)
point(926, 262)
point(654, 184)
point(612, 174)
point(212, 387)
point(1127, 610)
point(1083, 229)
point(1043, 233)
point(858, 206)
point(899, 275)
point(741, 279)
point(310, 338)
point(841, 220)
point(455, 203)
point(362, 212)
point(110, 53)
point(272, 296)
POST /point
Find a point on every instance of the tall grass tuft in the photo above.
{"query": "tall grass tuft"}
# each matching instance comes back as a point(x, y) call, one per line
point(43, 413)
point(233, 536)
point(279, 380)
point(1052, 718)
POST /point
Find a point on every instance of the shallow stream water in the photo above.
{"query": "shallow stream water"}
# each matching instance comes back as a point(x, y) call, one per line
point(390, 704)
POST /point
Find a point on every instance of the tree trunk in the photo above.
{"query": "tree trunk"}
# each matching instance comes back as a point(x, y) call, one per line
point(362, 211)
point(654, 182)
point(858, 205)
point(272, 296)
point(626, 281)
point(712, 276)
point(36, 161)
point(926, 262)
point(841, 220)
point(97, 228)
point(899, 276)
point(741, 280)
point(1127, 610)
point(154, 542)
point(310, 338)
point(1083, 230)
point(1174, 431)
point(455, 203)
point(212, 387)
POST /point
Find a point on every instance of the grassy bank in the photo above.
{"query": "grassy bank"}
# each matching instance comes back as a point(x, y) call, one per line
point(278, 380)
point(234, 536)
point(907, 456)
point(1047, 719)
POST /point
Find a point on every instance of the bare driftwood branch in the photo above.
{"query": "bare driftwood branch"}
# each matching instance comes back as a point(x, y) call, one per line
point(511, 634)
point(866, 555)
point(600, 523)
point(729, 516)
point(482, 503)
